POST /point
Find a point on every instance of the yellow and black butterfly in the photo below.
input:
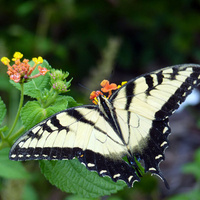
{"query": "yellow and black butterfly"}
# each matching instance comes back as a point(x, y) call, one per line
point(132, 122)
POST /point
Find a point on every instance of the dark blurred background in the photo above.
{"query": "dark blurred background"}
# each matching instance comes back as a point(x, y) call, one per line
point(115, 40)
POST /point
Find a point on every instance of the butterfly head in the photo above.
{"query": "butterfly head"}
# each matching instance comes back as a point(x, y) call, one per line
point(94, 96)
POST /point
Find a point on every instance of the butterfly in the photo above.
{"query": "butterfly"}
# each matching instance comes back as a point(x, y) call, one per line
point(131, 122)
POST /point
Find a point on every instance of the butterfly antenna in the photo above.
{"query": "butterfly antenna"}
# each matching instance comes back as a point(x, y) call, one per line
point(84, 87)
point(111, 74)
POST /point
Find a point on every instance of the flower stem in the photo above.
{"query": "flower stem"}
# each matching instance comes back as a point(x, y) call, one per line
point(14, 136)
point(2, 135)
point(18, 112)
point(51, 100)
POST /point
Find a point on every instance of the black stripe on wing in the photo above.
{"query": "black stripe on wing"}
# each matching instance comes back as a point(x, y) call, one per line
point(116, 169)
point(191, 81)
point(153, 152)
point(129, 94)
point(18, 152)
point(150, 81)
point(180, 94)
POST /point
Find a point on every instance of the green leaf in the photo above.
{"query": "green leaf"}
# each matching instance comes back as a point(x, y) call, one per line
point(193, 168)
point(2, 110)
point(70, 100)
point(77, 197)
point(61, 103)
point(32, 113)
point(194, 194)
point(29, 193)
point(11, 169)
point(114, 198)
point(197, 156)
point(4, 128)
point(73, 177)
point(34, 87)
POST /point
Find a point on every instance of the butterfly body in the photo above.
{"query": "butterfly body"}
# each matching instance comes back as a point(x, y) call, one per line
point(132, 123)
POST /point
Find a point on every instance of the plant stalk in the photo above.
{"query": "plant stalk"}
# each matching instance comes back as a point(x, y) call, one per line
point(18, 112)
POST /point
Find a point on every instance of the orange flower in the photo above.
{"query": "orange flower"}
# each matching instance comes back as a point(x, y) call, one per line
point(15, 77)
point(21, 71)
point(42, 70)
point(107, 87)
point(94, 95)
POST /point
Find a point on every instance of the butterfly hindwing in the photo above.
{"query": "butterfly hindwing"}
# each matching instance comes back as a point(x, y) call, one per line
point(150, 100)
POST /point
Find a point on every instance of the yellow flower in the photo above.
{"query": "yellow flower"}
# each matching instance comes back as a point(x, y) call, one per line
point(123, 83)
point(5, 60)
point(38, 60)
point(17, 56)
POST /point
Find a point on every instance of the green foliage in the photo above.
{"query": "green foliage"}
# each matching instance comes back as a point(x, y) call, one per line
point(191, 168)
point(32, 113)
point(73, 177)
point(2, 110)
point(77, 197)
point(187, 196)
point(49, 102)
point(29, 193)
point(73, 33)
point(9, 169)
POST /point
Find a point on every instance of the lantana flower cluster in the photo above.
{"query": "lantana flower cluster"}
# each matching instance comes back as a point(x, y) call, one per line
point(21, 71)
point(106, 88)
